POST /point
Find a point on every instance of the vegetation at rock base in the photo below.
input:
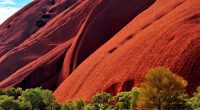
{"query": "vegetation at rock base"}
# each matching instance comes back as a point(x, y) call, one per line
point(161, 90)
point(195, 101)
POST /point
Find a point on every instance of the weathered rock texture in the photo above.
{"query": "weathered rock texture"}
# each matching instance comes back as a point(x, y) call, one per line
point(163, 35)
point(81, 47)
point(45, 41)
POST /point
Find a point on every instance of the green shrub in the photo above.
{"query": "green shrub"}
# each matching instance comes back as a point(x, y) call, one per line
point(101, 100)
point(11, 92)
point(78, 105)
point(195, 100)
point(69, 106)
point(49, 100)
point(32, 99)
point(38, 99)
point(8, 103)
point(127, 100)
point(15, 92)
point(162, 90)
point(134, 98)
point(105, 107)
point(89, 107)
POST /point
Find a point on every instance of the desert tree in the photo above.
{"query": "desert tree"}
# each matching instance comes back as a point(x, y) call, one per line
point(162, 90)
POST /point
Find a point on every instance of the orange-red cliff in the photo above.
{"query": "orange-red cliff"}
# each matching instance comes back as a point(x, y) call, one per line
point(81, 47)
point(163, 35)
point(66, 32)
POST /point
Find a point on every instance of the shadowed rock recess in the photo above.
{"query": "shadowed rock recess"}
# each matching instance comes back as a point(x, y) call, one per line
point(81, 47)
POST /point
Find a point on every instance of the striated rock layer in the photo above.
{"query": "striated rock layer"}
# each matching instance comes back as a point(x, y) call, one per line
point(105, 20)
point(166, 34)
point(46, 40)
point(81, 47)
point(28, 21)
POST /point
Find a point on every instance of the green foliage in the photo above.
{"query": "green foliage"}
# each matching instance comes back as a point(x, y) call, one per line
point(105, 107)
point(49, 100)
point(11, 92)
point(30, 99)
point(195, 100)
point(18, 91)
point(123, 101)
point(38, 99)
point(134, 99)
point(127, 100)
point(100, 100)
point(162, 90)
point(8, 103)
point(78, 105)
point(89, 107)
point(14, 92)
point(69, 106)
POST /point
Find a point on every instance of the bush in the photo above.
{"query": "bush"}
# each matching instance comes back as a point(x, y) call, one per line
point(89, 107)
point(101, 100)
point(126, 100)
point(39, 99)
point(162, 90)
point(8, 103)
point(11, 92)
point(30, 99)
point(195, 100)
point(78, 105)
point(69, 106)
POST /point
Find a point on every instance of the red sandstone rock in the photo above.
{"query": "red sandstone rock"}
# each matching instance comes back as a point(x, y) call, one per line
point(105, 21)
point(166, 34)
point(28, 21)
point(78, 28)
point(31, 61)
point(46, 41)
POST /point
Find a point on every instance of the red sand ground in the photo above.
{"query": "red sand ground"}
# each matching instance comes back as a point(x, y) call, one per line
point(78, 30)
point(167, 34)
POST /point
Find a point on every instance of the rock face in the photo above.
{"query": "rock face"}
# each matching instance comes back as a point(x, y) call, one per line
point(81, 47)
point(163, 35)
point(28, 21)
point(105, 20)
point(44, 50)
